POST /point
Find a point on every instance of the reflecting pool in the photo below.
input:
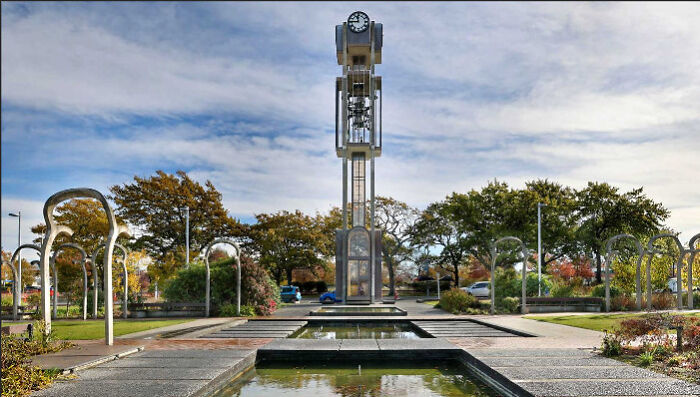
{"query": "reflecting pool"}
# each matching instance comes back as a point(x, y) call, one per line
point(358, 330)
point(274, 379)
point(359, 311)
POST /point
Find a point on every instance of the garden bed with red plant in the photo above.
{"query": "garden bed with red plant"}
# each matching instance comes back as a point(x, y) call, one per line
point(647, 342)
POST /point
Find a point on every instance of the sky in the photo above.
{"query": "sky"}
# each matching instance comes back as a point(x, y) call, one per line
point(242, 94)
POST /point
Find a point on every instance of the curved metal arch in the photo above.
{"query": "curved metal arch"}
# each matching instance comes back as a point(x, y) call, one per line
point(651, 250)
point(238, 273)
point(83, 258)
point(494, 257)
point(15, 295)
point(692, 250)
point(125, 255)
point(15, 302)
point(53, 230)
point(610, 254)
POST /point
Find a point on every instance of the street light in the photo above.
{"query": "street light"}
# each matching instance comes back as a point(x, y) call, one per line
point(539, 248)
point(18, 215)
point(187, 234)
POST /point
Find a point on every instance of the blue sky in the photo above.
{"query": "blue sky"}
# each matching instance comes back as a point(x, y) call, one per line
point(242, 94)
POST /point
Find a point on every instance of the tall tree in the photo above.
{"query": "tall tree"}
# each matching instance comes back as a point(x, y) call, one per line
point(484, 216)
point(397, 220)
point(285, 241)
point(154, 206)
point(605, 212)
point(559, 220)
point(438, 227)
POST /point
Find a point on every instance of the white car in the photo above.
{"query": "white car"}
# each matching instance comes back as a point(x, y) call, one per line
point(480, 289)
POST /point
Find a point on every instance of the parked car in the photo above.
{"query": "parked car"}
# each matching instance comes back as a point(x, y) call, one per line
point(480, 289)
point(329, 297)
point(290, 293)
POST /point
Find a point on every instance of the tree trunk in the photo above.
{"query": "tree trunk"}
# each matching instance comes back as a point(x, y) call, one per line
point(390, 269)
point(289, 276)
point(598, 272)
point(278, 277)
point(456, 273)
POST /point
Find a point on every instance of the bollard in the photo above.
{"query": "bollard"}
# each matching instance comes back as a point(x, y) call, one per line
point(679, 337)
point(30, 332)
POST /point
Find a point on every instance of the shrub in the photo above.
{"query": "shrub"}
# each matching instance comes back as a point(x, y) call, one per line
point(229, 310)
point(508, 304)
point(599, 291)
point(646, 358)
point(457, 301)
point(33, 299)
point(321, 286)
point(19, 378)
point(509, 283)
point(562, 290)
point(6, 300)
point(663, 301)
point(691, 334)
point(612, 344)
point(622, 302)
point(257, 289)
point(100, 300)
point(431, 285)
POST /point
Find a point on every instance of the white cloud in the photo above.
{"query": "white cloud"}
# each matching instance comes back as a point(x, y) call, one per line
point(568, 91)
point(31, 215)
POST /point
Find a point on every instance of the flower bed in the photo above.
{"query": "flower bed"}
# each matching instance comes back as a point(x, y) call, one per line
point(647, 342)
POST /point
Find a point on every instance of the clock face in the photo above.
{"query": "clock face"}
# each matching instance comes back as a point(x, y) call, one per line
point(358, 22)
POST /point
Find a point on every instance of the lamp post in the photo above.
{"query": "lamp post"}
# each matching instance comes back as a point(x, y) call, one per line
point(539, 248)
point(187, 234)
point(18, 215)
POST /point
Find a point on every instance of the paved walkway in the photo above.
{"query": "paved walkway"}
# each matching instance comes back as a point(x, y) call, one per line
point(156, 373)
point(84, 354)
point(549, 335)
point(258, 329)
point(575, 372)
point(560, 361)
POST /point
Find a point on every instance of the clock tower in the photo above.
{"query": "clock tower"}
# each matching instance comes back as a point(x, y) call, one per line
point(358, 140)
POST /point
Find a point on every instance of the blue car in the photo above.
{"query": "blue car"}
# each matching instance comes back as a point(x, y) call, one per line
point(290, 293)
point(329, 297)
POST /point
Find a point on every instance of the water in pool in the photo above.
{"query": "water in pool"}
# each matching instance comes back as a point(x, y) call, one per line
point(360, 309)
point(371, 379)
point(357, 330)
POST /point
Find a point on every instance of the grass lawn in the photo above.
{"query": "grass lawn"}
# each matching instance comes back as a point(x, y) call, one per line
point(596, 322)
point(95, 329)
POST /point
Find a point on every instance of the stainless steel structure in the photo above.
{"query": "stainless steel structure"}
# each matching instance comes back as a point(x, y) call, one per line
point(358, 139)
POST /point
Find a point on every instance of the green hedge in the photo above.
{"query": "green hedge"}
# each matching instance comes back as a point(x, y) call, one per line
point(257, 289)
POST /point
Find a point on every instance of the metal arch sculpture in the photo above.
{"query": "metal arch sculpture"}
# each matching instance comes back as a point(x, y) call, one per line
point(53, 230)
point(15, 254)
point(610, 254)
point(494, 257)
point(15, 295)
point(692, 250)
point(238, 273)
point(83, 258)
point(125, 254)
point(651, 250)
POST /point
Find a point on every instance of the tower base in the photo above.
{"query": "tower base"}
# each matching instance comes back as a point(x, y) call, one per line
point(343, 290)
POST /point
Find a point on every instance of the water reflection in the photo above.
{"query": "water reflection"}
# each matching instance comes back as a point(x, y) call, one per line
point(356, 330)
point(372, 379)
